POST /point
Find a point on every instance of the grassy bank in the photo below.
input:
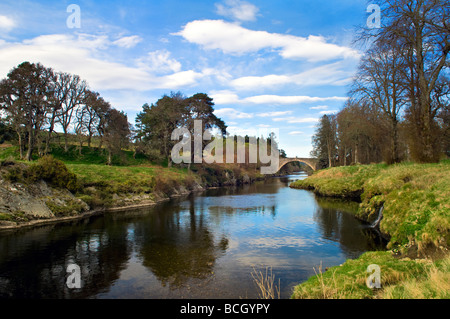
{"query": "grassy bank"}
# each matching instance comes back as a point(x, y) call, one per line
point(415, 197)
point(400, 278)
point(132, 180)
point(416, 218)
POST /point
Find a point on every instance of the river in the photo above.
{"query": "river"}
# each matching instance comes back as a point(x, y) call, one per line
point(203, 246)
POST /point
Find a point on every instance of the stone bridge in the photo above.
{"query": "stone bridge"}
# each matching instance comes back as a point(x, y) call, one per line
point(311, 162)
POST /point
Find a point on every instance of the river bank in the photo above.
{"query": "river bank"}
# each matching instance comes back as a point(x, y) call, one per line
point(411, 202)
point(50, 192)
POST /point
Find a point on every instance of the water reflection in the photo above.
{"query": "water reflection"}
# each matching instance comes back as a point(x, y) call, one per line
point(204, 246)
point(33, 263)
point(176, 246)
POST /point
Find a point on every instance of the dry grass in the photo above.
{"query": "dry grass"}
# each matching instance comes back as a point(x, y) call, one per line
point(400, 279)
point(329, 290)
point(435, 284)
point(265, 281)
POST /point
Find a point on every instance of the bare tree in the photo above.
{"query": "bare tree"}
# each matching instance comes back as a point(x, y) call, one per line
point(75, 89)
point(380, 81)
point(422, 29)
point(60, 85)
point(325, 141)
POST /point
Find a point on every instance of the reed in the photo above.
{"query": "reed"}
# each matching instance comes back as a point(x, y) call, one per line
point(265, 282)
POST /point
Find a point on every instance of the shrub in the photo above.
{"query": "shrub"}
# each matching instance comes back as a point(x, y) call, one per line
point(165, 185)
point(54, 172)
point(15, 173)
point(9, 161)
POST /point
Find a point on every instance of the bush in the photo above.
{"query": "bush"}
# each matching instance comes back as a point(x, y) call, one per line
point(54, 172)
point(9, 161)
point(15, 174)
point(165, 185)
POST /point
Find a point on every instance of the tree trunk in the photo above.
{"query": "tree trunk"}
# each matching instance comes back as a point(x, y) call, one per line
point(29, 157)
point(395, 156)
point(356, 153)
point(345, 156)
point(49, 135)
point(19, 135)
point(66, 142)
point(330, 159)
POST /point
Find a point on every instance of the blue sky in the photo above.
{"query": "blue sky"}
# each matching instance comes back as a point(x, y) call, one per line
point(267, 64)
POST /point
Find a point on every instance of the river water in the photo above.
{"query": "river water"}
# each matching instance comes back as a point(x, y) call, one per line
point(203, 246)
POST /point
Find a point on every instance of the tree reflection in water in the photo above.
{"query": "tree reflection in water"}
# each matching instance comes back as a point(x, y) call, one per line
point(211, 241)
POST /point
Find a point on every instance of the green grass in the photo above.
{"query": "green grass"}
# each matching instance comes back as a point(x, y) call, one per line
point(9, 152)
point(416, 199)
point(400, 278)
point(97, 183)
point(344, 182)
point(95, 173)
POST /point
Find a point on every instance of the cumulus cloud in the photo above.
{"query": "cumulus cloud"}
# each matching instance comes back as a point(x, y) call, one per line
point(232, 38)
point(329, 74)
point(286, 100)
point(229, 97)
point(329, 112)
point(128, 42)
point(6, 23)
point(296, 120)
point(296, 133)
point(274, 114)
point(232, 114)
point(84, 55)
point(237, 10)
point(159, 61)
point(319, 107)
point(224, 97)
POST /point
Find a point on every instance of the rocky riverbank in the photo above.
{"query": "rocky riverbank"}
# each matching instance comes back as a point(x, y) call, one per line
point(29, 201)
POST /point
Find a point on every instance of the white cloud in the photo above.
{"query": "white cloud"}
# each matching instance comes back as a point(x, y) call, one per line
point(242, 131)
point(232, 114)
point(326, 74)
point(180, 79)
point(159, 61)
point(329, 112)
point(128, 42)
point(237, 10)
point(232, 38)
point(252, 82)
point(274, 114)
point(224, 97)
point(228, 97)
point(319, 107)
point(296, 120)
point(6, 23)
point(86, 56)
point(286, 100)
point(296, 133)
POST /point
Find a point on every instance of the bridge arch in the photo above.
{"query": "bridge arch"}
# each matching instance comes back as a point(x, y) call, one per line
point(311, 162)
